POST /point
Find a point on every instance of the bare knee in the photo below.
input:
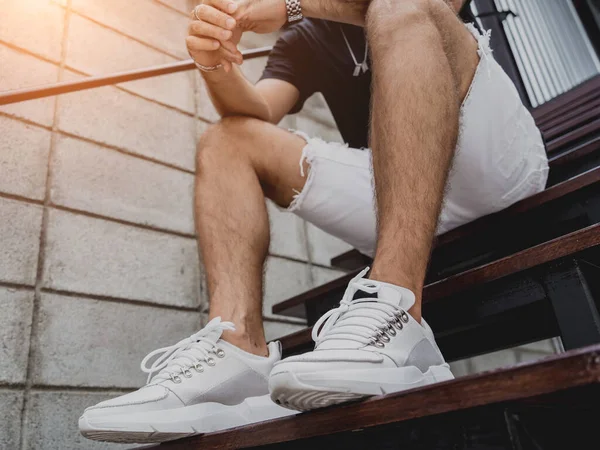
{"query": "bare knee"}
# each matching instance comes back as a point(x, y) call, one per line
point(231, 137)
point(389, 20)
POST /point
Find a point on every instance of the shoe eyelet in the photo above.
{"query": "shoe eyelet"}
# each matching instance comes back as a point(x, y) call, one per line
point(198, 367)
point(186, 373)
point(220, 353)
point(382, 336)
point(391, 330)
point(377, 343)
point(211, 362)
point(404, 317)
point(398, 324)
point(176, 379)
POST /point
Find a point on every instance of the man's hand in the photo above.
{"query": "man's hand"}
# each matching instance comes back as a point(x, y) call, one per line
point(261, 16)
point(213, 35)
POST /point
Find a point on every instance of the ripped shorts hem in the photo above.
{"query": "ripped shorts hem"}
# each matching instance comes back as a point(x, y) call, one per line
point(308, 155)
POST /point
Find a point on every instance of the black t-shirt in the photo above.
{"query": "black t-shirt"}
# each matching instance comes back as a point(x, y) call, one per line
point(313, 56)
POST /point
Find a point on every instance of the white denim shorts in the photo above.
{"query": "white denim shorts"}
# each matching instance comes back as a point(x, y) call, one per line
point(500, 159)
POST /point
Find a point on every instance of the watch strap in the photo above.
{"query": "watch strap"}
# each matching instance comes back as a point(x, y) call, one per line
point(294, 10)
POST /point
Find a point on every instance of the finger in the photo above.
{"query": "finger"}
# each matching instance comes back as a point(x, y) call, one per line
point(196, 44)
point(207, 30)
point(224, 5)
point(231, 47)
point(212, 15)
point(233, 57)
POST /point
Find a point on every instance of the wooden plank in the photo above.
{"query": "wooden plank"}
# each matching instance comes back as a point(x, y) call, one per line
point(524, 384)
point(319, 291)
point(570, 124)
point(592, 104)
point(573, 136)
point(350, 260)
point(526, 259)
point(298, 341)
point(555, 192)
point(583, 103)
point(540, 254)
point(569, 100)
point(577, 152)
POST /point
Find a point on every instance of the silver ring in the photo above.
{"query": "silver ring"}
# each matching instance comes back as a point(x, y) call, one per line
point(195, 13)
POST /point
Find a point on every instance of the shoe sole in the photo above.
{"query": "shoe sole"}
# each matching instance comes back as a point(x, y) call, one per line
point(308, 391)
point(166, 425)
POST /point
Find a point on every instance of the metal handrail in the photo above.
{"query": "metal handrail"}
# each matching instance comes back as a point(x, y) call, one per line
point(65, 87)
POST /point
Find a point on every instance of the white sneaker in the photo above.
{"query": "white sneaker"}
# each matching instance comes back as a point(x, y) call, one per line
point(367, 346)
point(198, 385)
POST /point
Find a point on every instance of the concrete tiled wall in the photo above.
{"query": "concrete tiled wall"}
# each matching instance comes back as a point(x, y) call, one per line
point(98, 259)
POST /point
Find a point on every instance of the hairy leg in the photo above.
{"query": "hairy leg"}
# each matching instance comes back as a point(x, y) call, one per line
point(239, 162)
point(423, 63)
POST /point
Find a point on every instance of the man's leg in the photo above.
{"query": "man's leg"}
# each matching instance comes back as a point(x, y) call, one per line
point(239, 162)
point(238, 159)
point(423, 62)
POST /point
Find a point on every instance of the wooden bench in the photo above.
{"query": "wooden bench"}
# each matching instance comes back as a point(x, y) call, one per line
point(555, 400)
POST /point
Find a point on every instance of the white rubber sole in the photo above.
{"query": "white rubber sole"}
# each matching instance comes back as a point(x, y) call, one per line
point(166, 425)
point(307, 391)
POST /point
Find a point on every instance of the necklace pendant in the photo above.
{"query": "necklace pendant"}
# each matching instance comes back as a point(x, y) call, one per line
point(362, 67)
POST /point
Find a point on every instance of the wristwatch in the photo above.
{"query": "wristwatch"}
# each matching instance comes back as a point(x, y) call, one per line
point(294, 10)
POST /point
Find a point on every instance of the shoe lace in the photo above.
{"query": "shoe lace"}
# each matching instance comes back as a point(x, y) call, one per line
point(367, 321)
point(189, 352)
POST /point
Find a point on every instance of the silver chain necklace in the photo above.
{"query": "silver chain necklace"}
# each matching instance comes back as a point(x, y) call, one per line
point(359, 67)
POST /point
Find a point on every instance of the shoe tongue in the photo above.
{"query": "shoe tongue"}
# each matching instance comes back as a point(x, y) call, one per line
point(401, 297)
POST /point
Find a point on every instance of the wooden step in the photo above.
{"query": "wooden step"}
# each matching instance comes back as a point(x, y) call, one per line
point(560, 247)
point(573, 119)
point(580, 95)
point(514, 212)
point(574, 135)
point(571, 154)
point(566, 382)
point(570, 119)
point(514, 273)
point(532, 257)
